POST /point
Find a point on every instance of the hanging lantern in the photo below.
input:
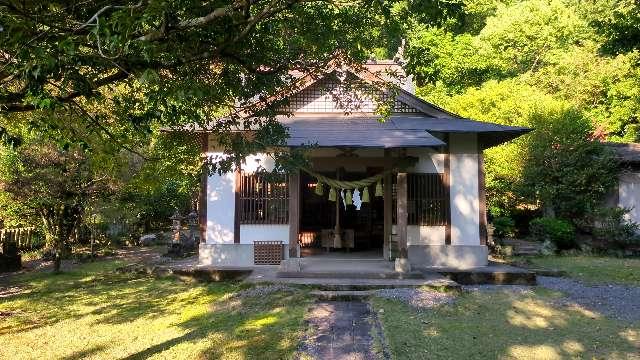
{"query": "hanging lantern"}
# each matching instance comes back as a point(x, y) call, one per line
point(379, 189)
point(348, 198)
point(332, 194)
point(319, 189)
point(365, 194)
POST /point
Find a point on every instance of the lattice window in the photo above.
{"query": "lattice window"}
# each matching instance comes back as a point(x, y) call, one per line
point(329, 95)
point(428, 199)
point(264, 199)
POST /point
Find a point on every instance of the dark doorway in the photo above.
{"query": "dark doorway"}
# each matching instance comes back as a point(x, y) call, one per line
point(362, 230)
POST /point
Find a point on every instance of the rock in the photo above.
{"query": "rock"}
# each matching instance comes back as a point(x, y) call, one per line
point(148, 239)
point(403, 265)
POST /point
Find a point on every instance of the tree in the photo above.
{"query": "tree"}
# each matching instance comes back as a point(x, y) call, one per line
point(53, 183)
point(567, 170)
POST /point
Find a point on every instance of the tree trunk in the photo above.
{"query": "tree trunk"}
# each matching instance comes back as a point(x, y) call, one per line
point(59, 226)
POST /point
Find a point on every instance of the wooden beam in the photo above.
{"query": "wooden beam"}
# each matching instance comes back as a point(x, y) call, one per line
point(202, 202)
point(402, 215)
point(482, 200)
point(447, 186)
point(388, 209)
point(294, 213)
point(236, 217)
point(350, 162)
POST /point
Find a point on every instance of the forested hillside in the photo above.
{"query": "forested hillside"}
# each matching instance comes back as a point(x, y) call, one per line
point(570, 69)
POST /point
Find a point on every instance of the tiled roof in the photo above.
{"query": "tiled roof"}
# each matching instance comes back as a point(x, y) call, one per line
point(399, 130)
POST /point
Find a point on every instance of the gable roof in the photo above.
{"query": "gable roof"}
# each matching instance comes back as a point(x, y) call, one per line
point(411, 124)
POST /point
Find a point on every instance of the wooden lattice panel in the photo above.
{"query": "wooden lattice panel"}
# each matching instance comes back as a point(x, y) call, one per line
point(329, 95)
point(267, 252)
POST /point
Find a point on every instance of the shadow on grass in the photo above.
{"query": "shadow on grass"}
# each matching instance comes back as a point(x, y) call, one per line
point(85, 353)
point(207, 317)
point(506, 325)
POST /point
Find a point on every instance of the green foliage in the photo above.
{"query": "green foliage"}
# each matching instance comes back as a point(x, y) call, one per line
point(436, 56)
point(520, 35)
point(613, 230)
point(544, 65)
point(504, 226)
point(558, 231)
point(566, 170)
point(618, 22)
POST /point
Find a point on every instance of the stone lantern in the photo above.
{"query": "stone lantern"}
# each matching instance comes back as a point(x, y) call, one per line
point(176, 226)
point(192, 220)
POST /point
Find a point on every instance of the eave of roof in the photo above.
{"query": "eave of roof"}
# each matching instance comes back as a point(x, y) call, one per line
point(399, 130)
point(626, 153)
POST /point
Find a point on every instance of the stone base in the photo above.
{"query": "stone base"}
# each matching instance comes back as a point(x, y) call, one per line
point(229, 254)
point(455, 256)
point(291, 265)
point(402, 265)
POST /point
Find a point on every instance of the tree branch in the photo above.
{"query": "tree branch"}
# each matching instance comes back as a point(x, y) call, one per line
point(21, 107)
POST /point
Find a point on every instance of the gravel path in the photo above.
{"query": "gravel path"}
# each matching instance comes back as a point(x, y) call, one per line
point(418, 298)
point(260, 291)
point(616, 301)
point(517, 289)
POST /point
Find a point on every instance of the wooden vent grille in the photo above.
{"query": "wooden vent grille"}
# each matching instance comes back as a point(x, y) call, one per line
point(329, 95)
point(267, 252)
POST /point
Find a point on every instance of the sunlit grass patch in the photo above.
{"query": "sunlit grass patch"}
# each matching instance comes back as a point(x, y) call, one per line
point(504, 325)
point(94, 312)
point(592, 269)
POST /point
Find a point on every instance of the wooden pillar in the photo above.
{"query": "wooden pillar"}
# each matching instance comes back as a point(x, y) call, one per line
point(388, 209)
point(402, 215)
point(294, 213)
point(236, 218)
point(447, 186)
point(202, 201)
point(482, 199)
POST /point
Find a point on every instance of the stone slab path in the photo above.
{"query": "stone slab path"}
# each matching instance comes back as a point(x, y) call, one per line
point(340, 330)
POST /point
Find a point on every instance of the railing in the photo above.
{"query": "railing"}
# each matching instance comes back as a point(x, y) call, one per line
point(22, 237)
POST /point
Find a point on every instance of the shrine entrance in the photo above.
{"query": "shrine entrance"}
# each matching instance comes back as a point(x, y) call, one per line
point(360, 224)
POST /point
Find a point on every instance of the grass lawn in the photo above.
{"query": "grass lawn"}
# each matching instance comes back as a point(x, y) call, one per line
point(504, 325)
point(592, 269)
point(93, 312)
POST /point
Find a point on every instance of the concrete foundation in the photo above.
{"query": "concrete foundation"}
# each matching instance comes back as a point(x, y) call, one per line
point(455, 256)
point(226, 254)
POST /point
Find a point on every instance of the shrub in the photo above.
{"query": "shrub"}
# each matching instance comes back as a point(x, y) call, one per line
point(560, 232)
point(613, 229)
point(504, 226)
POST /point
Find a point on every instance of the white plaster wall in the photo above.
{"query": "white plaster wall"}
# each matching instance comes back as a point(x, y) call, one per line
point(429, 161)
point(220, 207)
point(629, 194)
point(425, 235)
point(275, 232)
point(221, 200)
point(464, 189)
point(253, 162)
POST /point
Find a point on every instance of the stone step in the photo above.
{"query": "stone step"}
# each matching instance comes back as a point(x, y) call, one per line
point(343, 295)
point(493, 277)
point(350, 275)
point(435, 281)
